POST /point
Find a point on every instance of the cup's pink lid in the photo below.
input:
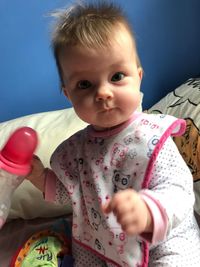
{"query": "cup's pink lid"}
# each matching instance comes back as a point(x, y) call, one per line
point(17, 153)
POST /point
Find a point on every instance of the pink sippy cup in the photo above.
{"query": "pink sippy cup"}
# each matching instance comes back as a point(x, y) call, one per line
point(15, 162)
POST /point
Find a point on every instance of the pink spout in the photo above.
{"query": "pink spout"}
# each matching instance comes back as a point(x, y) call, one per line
point(17, 153)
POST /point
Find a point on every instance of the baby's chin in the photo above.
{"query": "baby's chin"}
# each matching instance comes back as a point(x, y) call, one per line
point(107, 126)
point(109, 122)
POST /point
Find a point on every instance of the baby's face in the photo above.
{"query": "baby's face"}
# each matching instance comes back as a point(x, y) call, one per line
point(103, 84)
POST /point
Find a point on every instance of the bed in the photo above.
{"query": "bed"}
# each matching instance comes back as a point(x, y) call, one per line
point(168, 37)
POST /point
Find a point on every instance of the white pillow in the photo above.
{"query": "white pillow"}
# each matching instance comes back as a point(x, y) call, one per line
point(52, 127)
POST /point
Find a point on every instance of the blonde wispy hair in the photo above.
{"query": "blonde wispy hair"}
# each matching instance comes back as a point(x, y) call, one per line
point(87, 24)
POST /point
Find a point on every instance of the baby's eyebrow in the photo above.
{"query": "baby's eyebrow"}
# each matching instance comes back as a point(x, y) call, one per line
point(77, 75)
point(74, 76)
point(119, 64)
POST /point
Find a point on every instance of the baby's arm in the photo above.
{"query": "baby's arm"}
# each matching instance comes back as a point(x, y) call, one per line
point(168, 198)
point(47, 182)
point(37, 174)
point(171, 189)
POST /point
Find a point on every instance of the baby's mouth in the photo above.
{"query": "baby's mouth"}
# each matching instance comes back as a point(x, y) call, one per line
point(107, 109)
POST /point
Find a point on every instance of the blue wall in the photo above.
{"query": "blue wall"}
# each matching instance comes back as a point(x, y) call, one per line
point(168, 37)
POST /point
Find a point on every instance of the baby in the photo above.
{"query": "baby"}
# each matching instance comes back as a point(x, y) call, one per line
point(130, 190)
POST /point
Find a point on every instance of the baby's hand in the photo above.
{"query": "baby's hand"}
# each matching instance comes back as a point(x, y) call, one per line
point(37, 168)
point(131, 212)
point(37, 174)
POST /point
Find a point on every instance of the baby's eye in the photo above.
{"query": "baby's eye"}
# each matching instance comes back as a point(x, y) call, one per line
point(84, 84)
point(118, 76)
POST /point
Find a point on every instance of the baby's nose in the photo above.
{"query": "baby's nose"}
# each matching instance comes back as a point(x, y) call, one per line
point(104, 93)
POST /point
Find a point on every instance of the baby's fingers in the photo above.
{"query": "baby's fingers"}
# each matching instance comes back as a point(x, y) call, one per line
point(107, 208)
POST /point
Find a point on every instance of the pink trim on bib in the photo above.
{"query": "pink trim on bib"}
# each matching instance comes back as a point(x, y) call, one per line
point(176, 128)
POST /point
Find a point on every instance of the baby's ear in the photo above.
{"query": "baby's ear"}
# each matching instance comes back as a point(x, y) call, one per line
point(140, 72)
point(65, 92)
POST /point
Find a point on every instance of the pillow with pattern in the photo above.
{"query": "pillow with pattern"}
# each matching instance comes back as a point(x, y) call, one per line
point(184, 102)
